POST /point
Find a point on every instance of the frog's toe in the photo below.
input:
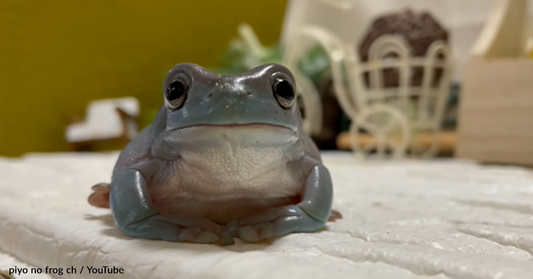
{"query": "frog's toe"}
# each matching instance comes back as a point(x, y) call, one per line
point(334, 216)
point(187, 234)
point(174, 233)
point(278, 227)
point(206, 237)
point(168, 232)
point(231, 228)
point(100, 195)
point(257, 232)
point(198, 235)
point(211, 236)
point(226, 238)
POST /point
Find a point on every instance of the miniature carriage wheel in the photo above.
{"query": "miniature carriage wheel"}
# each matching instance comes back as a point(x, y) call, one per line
point(429, 146)
point(387, 130)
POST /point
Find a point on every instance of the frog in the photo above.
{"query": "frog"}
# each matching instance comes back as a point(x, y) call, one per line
point(226, 158)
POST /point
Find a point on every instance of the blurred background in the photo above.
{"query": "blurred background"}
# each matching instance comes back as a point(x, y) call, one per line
point(57, 56)
point(88, 76)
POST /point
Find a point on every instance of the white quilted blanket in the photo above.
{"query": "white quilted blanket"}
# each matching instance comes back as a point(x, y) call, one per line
point(402, 220)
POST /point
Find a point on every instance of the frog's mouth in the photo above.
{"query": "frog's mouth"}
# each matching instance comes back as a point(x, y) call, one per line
point(236, 126)
point(252, 134)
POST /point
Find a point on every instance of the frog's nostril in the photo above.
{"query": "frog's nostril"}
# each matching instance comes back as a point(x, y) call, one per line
point(209, 96)
point(248, 94)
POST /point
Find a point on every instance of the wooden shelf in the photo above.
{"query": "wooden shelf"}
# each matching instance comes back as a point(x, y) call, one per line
point(447, 141)
point(496, 107)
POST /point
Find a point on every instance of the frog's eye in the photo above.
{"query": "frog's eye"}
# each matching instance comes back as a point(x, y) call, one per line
point(284, 92)
point(175, 94)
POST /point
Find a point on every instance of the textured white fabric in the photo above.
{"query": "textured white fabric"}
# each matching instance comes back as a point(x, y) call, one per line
point(402, 220)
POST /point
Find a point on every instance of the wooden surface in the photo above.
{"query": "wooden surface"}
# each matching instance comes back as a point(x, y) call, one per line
point(496, 107)
point(447, 141)
point(496, 112)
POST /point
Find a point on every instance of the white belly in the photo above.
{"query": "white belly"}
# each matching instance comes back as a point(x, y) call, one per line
point(217, 175)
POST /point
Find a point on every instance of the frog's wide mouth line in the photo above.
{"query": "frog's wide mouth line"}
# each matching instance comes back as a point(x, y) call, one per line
point(249, 134)
point(235, 126)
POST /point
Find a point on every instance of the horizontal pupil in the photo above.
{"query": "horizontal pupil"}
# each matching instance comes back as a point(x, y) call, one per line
point(175, 91)
point(284, 89)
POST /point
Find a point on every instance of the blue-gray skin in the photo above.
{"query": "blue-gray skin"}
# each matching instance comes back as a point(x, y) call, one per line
point(226, 157)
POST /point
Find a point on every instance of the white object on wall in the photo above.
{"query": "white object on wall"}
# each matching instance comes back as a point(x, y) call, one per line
point(463, 19)
point(102, 121)
point(506, 33)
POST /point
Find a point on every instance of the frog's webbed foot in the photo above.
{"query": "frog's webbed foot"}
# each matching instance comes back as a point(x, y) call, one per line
point(277, 222)
point(136, 216)
point(334, 216)
point(255, 229)
point(100, 196)
point(180, 229)
point(310, 215)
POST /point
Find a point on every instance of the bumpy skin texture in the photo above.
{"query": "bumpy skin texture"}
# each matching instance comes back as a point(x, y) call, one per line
point(230, 161)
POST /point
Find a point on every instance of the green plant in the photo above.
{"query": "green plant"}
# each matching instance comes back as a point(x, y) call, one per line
point(246, 52)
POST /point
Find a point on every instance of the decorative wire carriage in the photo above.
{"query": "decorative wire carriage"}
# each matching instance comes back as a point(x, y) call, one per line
point(389, 118)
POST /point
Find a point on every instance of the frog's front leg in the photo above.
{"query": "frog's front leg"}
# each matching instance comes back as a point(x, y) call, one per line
point(310, 215)
point(135, 215)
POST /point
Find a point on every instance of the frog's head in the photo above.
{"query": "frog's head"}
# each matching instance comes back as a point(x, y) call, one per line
point(265, 95)
point(261, 101)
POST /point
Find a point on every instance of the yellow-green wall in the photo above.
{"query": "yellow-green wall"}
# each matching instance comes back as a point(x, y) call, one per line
point(56, 56)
